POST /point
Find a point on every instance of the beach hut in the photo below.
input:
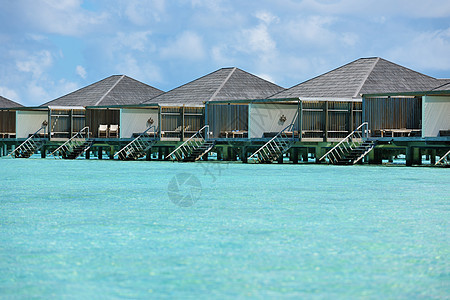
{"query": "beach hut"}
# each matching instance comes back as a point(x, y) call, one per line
point(411, 123)
point(8, 117)
point(182, 109)
point(101, 104)
point(331, 104)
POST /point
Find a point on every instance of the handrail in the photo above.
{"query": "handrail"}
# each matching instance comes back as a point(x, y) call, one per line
point(442, 158)
point(138, 137)
point(276, 136)
point(189, 139)
point(28, 139)
point(343, 140)
point(73, 137)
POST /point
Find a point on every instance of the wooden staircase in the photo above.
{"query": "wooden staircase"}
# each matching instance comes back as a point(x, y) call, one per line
point(76, 151)
point(193, 148)
point(276, 146)
point(199, 151)
point(138, 147)
point(351, 149)
point(354, 155)
point(75, 146)
point(29, 146)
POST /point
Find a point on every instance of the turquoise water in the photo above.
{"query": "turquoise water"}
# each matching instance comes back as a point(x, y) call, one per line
point(110, 229)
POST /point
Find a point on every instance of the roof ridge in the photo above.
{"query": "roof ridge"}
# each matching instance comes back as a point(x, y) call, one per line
point(358, 90)
point(110, 89)
point(417, 72)
point(223, 83)
point(439, 86)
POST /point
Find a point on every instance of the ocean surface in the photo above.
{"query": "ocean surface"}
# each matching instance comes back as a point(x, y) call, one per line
point(91, 229)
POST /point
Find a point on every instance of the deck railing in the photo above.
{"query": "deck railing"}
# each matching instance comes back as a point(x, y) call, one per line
point(29, 145)
point(348, 143)
point(195, 141)
point(71, 143)
point(137, 147)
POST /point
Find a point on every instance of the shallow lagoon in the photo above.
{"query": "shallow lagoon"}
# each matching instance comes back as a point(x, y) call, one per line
point(90, 228)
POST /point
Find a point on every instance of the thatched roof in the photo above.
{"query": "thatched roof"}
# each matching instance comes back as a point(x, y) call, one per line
point(362, 76)
point(223, 84)
point(114, 90)
point(6, 103)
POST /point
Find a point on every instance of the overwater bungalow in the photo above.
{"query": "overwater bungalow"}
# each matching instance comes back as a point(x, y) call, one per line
point(183, 108)
point(8, 118)
point(321, 111)
point(101, 104)
point(90, 112)
point(410, 123)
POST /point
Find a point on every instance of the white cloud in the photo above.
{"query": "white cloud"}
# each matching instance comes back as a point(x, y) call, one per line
point(65, 17)
point(187, 46)
point(130, 66)
point(267, 17)
point(370, 8)
point(9, 94)
point(137, 40)
point(36, 64)
point(81, 72)
point(140, 12)
point(258, 39)
point(425, 50)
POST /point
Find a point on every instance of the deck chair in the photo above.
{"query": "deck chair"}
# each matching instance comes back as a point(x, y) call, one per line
point(103, 131)
point(114, 130)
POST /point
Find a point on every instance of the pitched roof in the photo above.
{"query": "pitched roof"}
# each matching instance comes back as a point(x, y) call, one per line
point(362, 76)
point(223, 84)
point(113, 90)
point(6, 103)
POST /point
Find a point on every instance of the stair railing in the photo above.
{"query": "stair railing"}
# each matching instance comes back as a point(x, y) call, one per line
point(72, 142)
point(186, 148)
point(442, 158)
point(138, 142)
point(346, 144)
point(29, 144)
point(277, 145)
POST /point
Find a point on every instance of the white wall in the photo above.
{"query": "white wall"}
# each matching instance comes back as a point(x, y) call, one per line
point(28, 122)
point(435, 115)
point(265, 117)
point(135, 120)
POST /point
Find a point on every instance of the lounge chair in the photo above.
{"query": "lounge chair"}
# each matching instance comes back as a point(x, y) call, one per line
point(114, 130)
point(103, 131)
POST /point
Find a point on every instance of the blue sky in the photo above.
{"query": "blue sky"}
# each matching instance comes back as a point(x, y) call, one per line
point(52, 47)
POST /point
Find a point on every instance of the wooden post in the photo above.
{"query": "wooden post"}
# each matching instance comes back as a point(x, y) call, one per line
point(433, 157)
point(100, 153)
point(43, 150)
point(182, 123)
point(295, 155)
point(244, 154)
point(318, 153)
point(325, 133)
point(305, 155)
point(159, 153)
point(111, 152)
point(375, 157)
point(219, 152)
point(88, 154)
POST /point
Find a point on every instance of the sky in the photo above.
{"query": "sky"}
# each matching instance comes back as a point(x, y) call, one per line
point(52, 47)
